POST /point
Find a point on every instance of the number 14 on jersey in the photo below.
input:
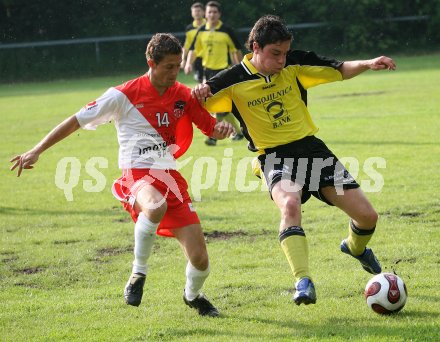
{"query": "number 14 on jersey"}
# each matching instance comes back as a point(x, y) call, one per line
point(162, 119)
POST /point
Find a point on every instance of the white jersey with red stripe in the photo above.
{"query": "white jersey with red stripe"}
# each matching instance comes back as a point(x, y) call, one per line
point(152, 129)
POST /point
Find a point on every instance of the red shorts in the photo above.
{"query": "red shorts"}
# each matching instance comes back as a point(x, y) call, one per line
point(170, 184)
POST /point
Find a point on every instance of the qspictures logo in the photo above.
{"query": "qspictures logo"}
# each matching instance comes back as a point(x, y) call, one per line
point(207, 174)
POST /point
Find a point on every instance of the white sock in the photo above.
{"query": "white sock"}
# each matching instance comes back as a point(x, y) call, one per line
point(144, 236)
point(194, 281)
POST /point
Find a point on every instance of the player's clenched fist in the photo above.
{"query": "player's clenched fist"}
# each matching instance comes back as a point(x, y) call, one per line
point(222, 130)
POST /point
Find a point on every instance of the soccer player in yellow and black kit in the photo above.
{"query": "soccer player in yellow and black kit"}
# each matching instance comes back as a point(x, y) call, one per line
point(267, 92)
point(197, 13)
point(217, 45)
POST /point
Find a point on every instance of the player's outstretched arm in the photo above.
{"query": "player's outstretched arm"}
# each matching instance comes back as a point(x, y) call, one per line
point(29, 158)
point(222, 130)
point(350, 69)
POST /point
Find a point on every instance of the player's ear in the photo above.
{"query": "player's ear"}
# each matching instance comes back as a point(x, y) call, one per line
point(151, 63)
point(255, 46)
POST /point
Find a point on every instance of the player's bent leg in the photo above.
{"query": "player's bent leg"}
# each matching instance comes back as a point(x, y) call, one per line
point(192, 241)
point(287, 197)
point(151, 207)
point(144, 237)
point(361, 227)
point(294, 244)
point(197, 270)
point(355, 204)
point(151, 202)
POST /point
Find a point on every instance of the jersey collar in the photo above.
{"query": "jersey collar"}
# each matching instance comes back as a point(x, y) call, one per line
point(208, 27)
point(247, 65)
point(251, 70)
point(195, 24)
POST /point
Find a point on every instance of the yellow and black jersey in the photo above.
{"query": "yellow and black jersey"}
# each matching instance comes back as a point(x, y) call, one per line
point(190, 33)
point(213, 45)
point(272, 110)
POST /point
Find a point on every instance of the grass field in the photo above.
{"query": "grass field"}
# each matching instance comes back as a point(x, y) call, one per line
point(64, 263)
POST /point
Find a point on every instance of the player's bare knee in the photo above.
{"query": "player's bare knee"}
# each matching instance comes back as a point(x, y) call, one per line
point(200, 261)
point(291, 207)
point(368, 219)
point(373, 217)
point(155, 212)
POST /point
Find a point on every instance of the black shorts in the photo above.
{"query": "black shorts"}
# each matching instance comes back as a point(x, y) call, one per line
point(308, 163)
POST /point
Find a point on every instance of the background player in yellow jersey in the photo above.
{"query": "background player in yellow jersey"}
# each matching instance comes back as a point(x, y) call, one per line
point(268, 95)
point(217, 45)
point(198, 14)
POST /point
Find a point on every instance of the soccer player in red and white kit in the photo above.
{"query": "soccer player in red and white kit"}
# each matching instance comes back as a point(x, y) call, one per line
point(153, 115)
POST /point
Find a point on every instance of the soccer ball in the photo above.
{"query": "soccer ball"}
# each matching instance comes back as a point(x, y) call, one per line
point(386, 293)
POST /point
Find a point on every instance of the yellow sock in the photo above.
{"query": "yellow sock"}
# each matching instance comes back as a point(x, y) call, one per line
point(294, 244)
point(358, 239)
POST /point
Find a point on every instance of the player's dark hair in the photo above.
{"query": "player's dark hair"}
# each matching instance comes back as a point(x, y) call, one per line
point(268, 29)
point(214, 4)
point(198, 5)
point(161, 45)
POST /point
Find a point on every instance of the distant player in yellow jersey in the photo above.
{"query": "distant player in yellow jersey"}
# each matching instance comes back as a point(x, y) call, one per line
point(218, 46)
point(267, 92)
point(197, 13)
